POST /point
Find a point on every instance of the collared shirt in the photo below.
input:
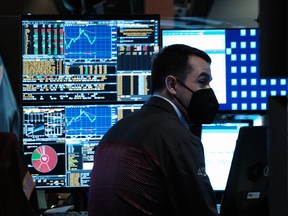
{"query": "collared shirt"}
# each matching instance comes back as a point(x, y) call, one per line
point(182, 119)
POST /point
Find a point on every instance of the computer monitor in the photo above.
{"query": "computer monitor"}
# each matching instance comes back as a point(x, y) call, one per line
point(84, 59)
point(80, 75)
point(248, 180)
point(58, 140)
point(219, 141)
point(235, 66)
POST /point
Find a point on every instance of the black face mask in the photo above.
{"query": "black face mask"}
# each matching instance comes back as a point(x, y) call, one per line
point(203, 105)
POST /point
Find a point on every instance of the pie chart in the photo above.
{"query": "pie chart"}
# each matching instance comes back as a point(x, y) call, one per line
point(44, 159)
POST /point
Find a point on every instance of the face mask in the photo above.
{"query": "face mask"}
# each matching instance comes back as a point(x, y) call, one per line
point(203, 105)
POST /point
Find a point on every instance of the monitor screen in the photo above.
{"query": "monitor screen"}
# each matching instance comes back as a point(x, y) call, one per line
point(235, 66)
point(219, 141)
point(58, 140)
point(87, 58)
point(80, 75)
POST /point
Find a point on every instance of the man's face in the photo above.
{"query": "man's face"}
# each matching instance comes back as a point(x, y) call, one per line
point(197, 79)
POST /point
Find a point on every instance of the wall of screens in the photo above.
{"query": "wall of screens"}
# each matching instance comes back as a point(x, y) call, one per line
point(80, 75)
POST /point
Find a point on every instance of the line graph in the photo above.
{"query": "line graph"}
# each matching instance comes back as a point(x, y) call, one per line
point(81, 32)
point(87, 121)
point(87, 42)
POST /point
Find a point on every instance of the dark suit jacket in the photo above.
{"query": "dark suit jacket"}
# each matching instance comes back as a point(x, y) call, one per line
point(170, 178)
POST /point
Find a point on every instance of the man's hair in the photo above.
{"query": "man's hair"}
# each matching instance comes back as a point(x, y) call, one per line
point(173, 60)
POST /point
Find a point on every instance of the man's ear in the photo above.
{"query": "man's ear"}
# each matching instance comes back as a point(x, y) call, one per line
point(171, 84)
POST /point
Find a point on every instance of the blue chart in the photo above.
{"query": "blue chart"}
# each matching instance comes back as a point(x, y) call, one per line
point(87, 42)
point(88, 121)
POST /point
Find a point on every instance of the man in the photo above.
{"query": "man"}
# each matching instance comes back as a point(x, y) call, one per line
point(150, 163)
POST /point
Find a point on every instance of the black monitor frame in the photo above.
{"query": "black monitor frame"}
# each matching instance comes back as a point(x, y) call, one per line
point(247, 185)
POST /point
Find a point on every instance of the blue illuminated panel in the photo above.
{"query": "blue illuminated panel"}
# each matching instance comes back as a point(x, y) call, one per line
point(246, 90)
point(235, 66)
